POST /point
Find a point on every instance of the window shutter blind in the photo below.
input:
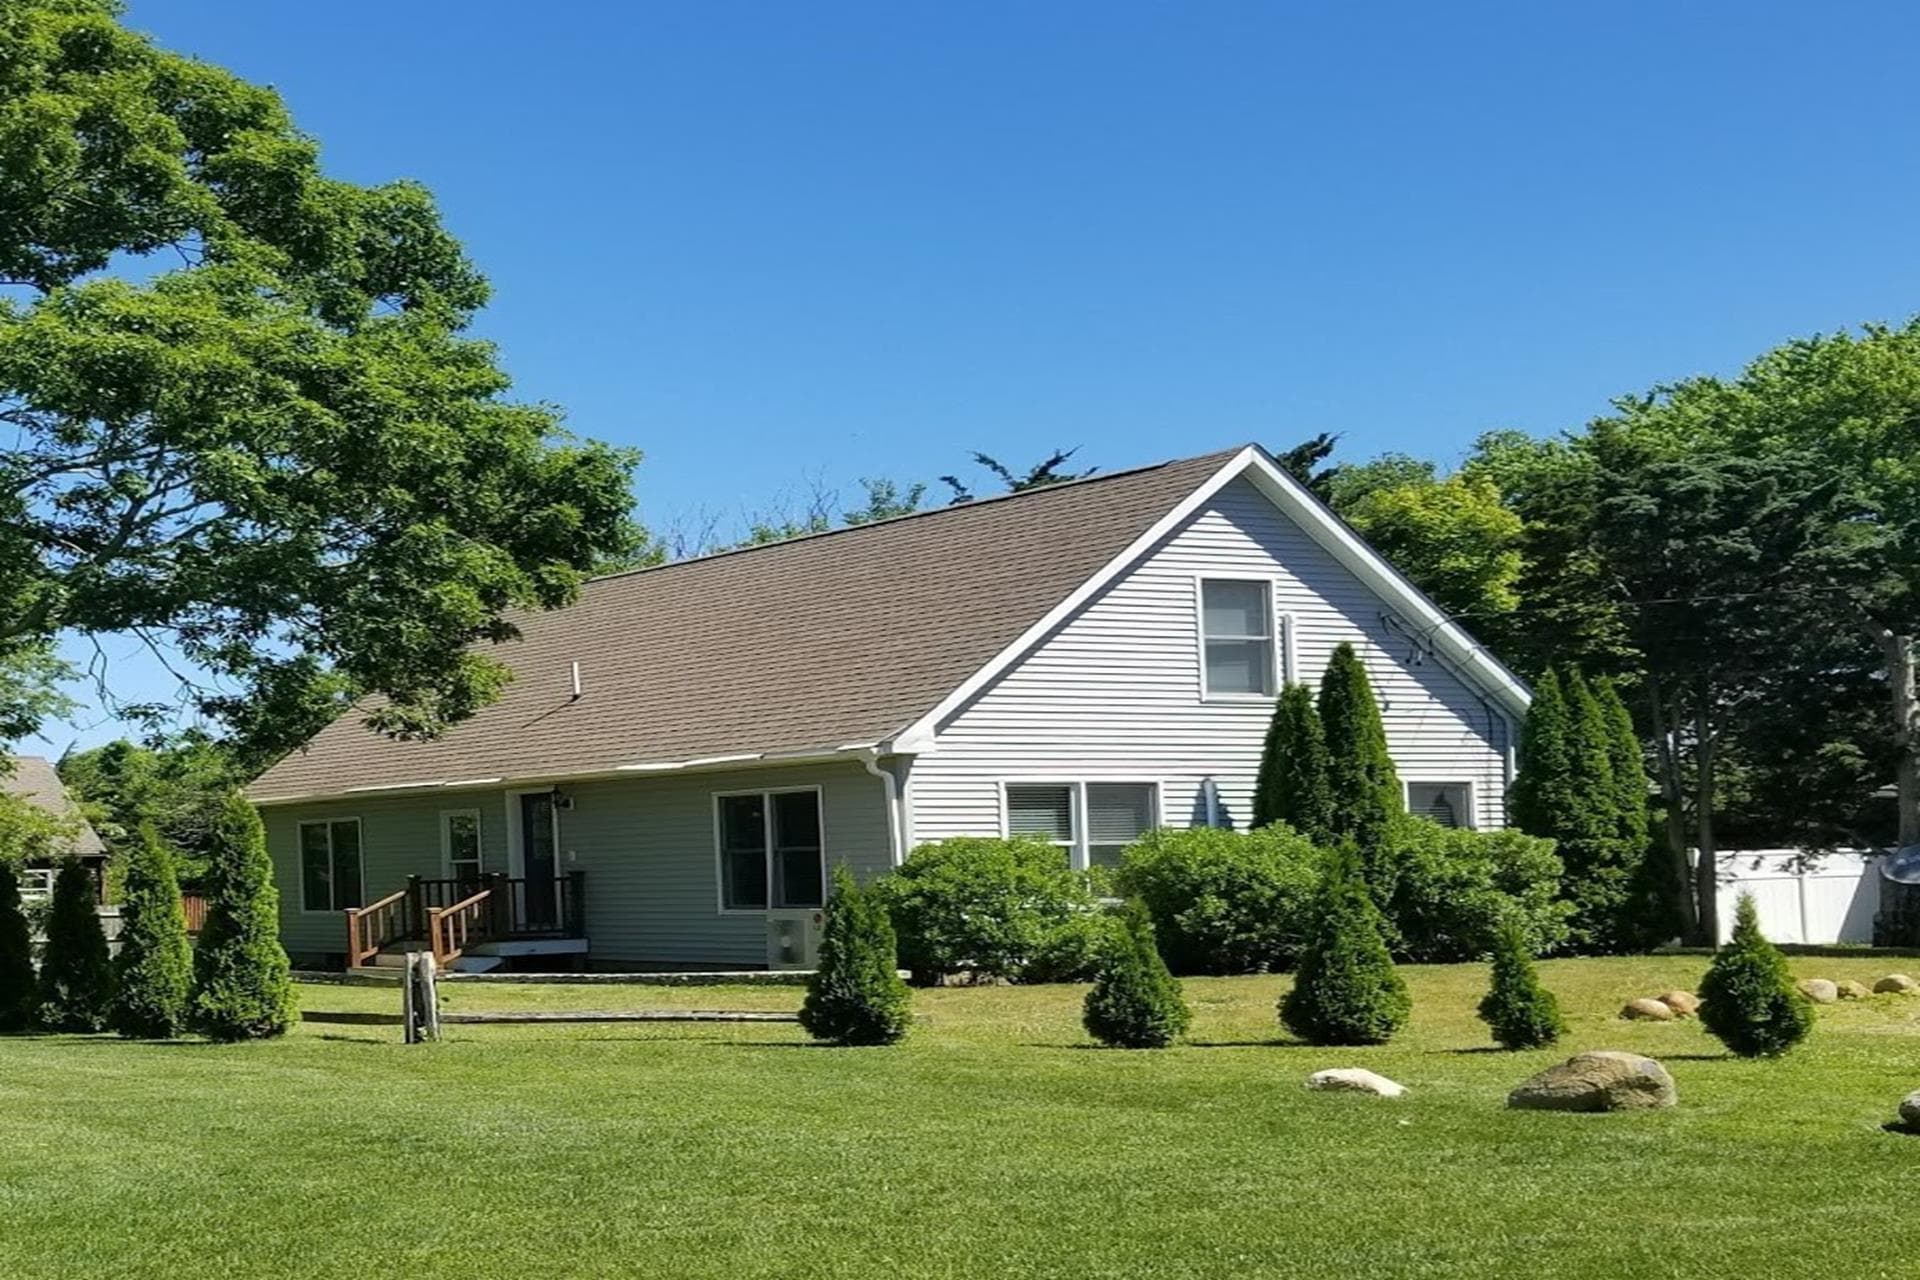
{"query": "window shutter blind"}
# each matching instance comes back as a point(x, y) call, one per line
point(1045, 812)
point(1118, 812)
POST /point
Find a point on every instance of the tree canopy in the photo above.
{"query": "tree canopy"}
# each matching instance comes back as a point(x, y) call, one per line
point(245, 421)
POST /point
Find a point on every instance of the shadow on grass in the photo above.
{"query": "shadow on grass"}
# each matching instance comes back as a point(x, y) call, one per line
point(1477, 1049)
point(1902, 1128)
point(351, 1018)
point(334, 1037)
point(1694, 1057)
point(106, 1039)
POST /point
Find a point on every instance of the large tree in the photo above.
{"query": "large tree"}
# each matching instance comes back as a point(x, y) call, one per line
point(243, 418)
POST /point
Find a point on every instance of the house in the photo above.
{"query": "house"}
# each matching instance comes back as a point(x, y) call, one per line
point(36, 781)
point(686, 749)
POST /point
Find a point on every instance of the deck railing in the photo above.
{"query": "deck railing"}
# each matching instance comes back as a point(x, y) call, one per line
point(452, 914)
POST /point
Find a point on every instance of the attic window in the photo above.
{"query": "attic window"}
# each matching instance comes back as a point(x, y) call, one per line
point(1448, 803)
point(1237, 638)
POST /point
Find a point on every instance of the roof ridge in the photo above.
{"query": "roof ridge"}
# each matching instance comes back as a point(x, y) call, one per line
point(950, 508)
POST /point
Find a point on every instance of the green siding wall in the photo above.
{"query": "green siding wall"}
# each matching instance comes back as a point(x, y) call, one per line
point(646, 844)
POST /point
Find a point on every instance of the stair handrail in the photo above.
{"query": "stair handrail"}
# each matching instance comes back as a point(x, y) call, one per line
point(452, 929)
point(373, 926)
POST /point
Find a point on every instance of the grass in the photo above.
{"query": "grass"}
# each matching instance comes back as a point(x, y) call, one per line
point(996, 1142)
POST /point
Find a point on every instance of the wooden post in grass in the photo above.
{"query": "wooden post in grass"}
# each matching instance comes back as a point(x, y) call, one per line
point(419, 999)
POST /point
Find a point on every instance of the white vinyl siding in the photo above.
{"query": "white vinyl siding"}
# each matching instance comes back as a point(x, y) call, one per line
point(1117, 690)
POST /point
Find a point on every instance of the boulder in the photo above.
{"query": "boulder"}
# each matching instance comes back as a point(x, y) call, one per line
point(1851, 990)
point(1898, 983)
point(1647, 1010)
point(1683, 1003)
point(1819, 990)
point(1355, 1080)
point(1910, 1110)
point(1605, 1080)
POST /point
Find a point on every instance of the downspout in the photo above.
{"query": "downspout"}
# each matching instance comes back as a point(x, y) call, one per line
point(870, 760)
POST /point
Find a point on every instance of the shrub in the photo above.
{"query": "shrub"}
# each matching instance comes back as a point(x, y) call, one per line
point(241, 985)
point(19, 997)
point(154, 969)
point(1520, 1012)
point(1346, 990)
point(1748, 999)
point(1456, 886)
point(856, 996)
point(1363, 787)
point(76, 974)
point(1221, 901)
point(1135, 1003)
point(996, 908)
point(1293, 786)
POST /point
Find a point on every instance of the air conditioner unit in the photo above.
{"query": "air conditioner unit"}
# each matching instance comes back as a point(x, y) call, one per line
point(793, 939)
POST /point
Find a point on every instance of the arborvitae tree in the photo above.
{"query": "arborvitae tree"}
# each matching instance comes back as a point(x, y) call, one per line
point(1543, 784)
point(76, 972)
point(1293, 786)
point(1629, 767)
point(856, 996)
point(1346, 990)
point(1652, 914)
point(155, 964)
point(1597, 859)
point(1521, 1013)
point(1135, 1002)
point(241, 984)
point(1363, 786)
point(19, 995)
point(1748, 998)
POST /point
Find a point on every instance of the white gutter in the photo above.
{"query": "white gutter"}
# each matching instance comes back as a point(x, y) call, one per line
point(896, 837)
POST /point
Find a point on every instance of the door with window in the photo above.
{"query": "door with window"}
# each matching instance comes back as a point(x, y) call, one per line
point(539, 861)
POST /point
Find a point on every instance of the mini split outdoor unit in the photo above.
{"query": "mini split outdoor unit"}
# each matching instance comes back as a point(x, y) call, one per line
point(793, 939)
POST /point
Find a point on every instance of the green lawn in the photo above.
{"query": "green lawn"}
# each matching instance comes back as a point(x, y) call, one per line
point(996, 1142)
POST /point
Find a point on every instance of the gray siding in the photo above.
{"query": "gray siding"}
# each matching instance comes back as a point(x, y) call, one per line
point(1115, 691)
point(646, 845)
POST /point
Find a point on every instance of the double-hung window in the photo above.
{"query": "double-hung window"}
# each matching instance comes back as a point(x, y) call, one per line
point(1091, 823)
point(460, 842)
point(1238, 638)
point(772, 850)
point(330, 865)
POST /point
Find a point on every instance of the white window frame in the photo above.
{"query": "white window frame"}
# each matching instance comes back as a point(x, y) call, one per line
point(300, 861)
point(1077, 848)
point(1471, 818)
point(1280, 665)
point(36, 883)
point(766, 839)
point(446, 841)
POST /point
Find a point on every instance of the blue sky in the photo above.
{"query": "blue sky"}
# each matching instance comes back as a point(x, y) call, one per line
point(771, 242)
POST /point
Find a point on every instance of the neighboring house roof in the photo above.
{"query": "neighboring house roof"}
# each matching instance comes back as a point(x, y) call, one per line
point(861, 638)
point(36, 781)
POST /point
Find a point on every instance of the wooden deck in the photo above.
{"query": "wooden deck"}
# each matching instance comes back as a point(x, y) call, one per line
point(449, 917)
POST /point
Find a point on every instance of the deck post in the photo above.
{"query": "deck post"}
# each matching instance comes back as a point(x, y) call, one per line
point(575, 925)
point(499, 904)
point(415, 923)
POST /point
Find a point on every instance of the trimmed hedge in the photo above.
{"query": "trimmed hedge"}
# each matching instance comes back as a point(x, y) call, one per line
point(856, 996)
point(1222, 901)
point(993, 908)
point(242, 988)
point(1457, 886)
point(154, 969)
point(1135, 1003)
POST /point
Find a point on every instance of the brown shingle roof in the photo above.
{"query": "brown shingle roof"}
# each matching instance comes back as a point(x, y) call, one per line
point(813, 644)
point(36, 781)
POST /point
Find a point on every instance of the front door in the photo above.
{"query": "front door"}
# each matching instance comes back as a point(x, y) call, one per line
point(538, 861)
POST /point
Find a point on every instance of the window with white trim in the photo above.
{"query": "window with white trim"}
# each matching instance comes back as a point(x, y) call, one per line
point(36, 884)
point(460, 842)
point(1091, 822)
point(772, 850)
point(1448, 803)
point(330, 874)
point(1237, 638)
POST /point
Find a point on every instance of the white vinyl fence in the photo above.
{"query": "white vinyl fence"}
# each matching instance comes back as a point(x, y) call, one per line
point(1828, 898)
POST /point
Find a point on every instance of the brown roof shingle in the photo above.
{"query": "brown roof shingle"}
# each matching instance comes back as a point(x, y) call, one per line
point(813, 644)
point(36, 781)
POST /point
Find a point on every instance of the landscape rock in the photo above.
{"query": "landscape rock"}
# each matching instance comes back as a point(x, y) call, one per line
point(1851, 990)
point(1648, 1010)
point(1910, 1110)
point(1898, 983)
point(1819, 990)
point(1355, 1080)
point(1605, 1080)
point(1684, 1003)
